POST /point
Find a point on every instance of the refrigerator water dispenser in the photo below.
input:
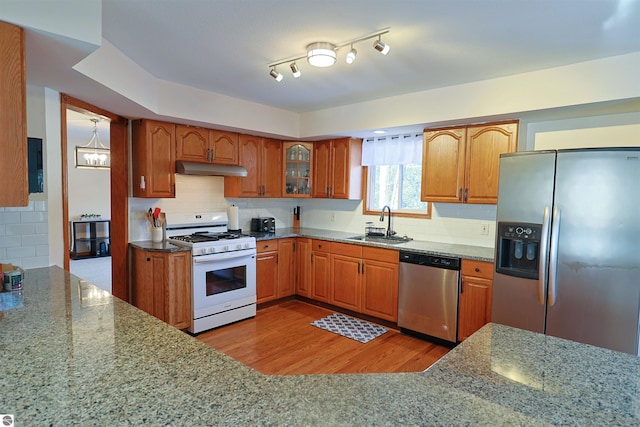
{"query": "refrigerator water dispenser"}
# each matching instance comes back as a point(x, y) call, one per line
point(518, 249)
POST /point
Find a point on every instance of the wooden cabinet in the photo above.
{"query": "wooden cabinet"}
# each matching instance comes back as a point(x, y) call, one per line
point(303, 266)
point(346, 276)
point(475, 297)
point(161, 285)
point(200, 145)
point(297, 160)
point(337, 170)
point(461, 165)
point(262, 158)
point(13, 119)
point(320, 270)
point(286, 267)
point(153, 159)
point(266, 271)
point(275, 269)
point(380, 269)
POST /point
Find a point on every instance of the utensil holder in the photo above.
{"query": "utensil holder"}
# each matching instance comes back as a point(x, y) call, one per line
point(157, 234)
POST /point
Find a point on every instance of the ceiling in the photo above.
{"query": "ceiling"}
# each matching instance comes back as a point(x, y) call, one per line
point(224, 46)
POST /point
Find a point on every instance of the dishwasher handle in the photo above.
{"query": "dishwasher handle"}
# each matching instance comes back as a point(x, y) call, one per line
point(430, 260)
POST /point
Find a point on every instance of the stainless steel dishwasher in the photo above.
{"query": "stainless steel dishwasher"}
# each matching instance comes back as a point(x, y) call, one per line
point(428, 295)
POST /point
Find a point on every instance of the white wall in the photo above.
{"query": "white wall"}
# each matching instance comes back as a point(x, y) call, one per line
point(617, 130)
point(89, 190)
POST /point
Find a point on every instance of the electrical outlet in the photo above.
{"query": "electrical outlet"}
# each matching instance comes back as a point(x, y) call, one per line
point(332, 217)
point(484, 229)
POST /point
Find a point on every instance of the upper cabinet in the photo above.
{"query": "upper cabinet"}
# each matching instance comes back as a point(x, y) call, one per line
point(13, 120)
point(200, 145)
point(297, 161)
point(153, 159)
point(262, 158)
point(337, 170)
point(461, 165)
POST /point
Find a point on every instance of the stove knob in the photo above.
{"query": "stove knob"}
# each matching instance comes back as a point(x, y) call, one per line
point(247, 245)
point(203, 251)
point(226, 248)
point(238, 247)
point(212, 250)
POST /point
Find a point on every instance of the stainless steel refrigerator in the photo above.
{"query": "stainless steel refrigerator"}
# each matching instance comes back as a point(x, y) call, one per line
point(568, 245)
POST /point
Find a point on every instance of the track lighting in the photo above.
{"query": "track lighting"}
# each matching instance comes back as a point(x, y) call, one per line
point(276, 75)
point(351, 56)
point(295, 70)
point(381, 47)
point(324, 54)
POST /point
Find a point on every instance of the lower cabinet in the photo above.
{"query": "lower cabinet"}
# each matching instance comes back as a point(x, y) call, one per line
point(320, 270)
point(380, 268)
point(364, 279)
point(275, 269)
point(161, 285)
point(303, 266)
point(346, 276)
point(475, 297)
point(266, 270)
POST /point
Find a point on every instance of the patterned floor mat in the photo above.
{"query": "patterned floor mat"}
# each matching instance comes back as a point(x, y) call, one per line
point(349, 327)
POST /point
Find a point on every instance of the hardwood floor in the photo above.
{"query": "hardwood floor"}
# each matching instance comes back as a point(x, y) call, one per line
point(281, 341)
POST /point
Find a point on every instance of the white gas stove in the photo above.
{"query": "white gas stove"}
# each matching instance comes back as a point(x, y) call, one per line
point(223, 268)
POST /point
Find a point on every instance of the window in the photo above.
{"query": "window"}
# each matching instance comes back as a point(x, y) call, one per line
point(394, 174)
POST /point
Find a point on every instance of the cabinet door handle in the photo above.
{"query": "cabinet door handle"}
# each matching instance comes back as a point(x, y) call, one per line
point(362, 267)
point(358, 268)
point(148, 259)
point(213, 154)
point(311, 258)
point(461, 194)
point(277, 258)
point(477, 270)
point(461, 285)
point(466, 194)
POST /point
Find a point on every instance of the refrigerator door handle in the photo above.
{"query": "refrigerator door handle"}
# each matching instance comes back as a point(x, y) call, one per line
point(543, 262)
point(553, 256)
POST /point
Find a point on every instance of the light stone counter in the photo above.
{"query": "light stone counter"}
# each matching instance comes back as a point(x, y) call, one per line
point(478, 253)
point(75, 356)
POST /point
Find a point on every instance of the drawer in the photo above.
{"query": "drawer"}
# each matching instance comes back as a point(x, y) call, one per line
point(321, 246)
point(477, 269)
point(380, 254)
point(346, 249)
point(267, 245)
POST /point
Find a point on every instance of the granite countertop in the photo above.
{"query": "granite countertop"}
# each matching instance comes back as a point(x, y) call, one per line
point(74, 355)
point(163, 246)
point(478, 253)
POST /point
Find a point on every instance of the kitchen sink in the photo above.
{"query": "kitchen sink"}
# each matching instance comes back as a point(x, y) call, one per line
point(390, 240)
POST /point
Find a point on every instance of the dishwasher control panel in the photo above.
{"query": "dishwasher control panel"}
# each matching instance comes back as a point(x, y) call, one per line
point(430, 260)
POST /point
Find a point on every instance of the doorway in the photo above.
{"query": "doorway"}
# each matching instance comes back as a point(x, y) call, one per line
point(88, 197)
point(117, 195)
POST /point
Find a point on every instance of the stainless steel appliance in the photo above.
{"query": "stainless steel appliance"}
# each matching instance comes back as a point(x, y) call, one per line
point(223, 268)
point(263, 225)
point(567, 245)
point(428, 295)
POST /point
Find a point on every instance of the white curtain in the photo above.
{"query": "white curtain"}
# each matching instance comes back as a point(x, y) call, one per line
point(392, 150)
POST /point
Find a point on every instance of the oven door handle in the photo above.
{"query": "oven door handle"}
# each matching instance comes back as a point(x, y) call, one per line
point(223, 256)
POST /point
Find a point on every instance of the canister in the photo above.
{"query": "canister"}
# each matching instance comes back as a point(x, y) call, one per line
point(13, 280)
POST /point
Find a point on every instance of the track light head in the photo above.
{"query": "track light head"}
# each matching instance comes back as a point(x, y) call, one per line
point(276, 75)
point(295, 70)
point(351, 56)
point(381, 47)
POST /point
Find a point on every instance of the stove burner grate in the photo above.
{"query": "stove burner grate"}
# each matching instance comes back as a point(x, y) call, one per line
point(207, 237)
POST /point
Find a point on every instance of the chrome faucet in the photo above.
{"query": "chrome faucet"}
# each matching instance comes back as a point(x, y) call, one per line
point(390, 232)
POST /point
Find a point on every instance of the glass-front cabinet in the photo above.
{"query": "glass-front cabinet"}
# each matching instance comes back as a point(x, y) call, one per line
point(297, 169)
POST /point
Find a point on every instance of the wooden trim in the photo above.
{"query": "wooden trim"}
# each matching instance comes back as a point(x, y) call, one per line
point(119, 190)
point(365, 202)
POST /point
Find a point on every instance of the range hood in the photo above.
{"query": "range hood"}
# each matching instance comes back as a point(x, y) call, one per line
point(209, 169)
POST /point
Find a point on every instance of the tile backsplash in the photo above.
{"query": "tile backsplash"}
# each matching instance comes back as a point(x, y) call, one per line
point(24, 235)
point(450, 223)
